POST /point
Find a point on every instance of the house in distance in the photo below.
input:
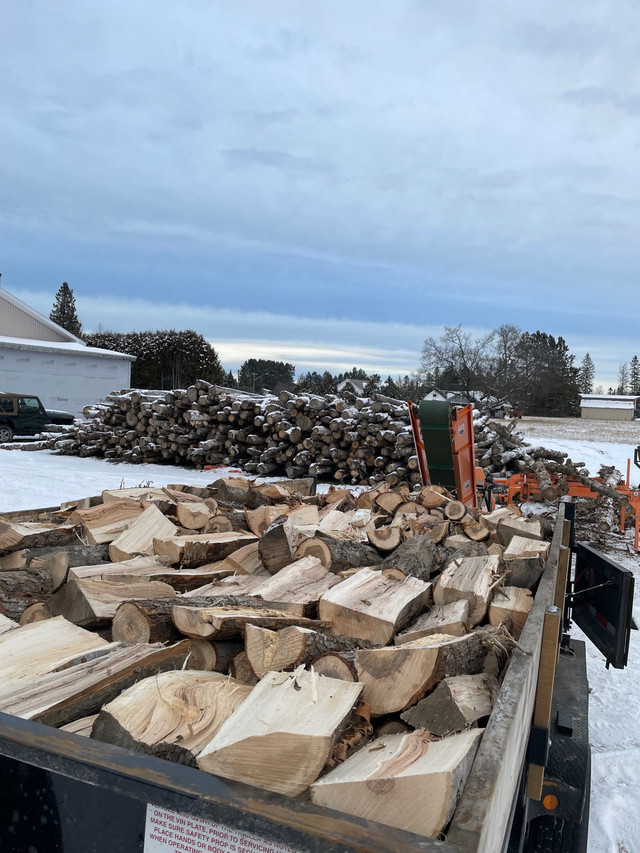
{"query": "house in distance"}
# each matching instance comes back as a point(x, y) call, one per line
point(609, 407)
point(41, 358)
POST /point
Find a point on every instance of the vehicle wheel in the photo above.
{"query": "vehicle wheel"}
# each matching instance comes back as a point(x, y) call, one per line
point(552, 835)
point(6, 433)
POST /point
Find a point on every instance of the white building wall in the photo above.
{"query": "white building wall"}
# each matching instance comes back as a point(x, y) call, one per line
point(67, 380)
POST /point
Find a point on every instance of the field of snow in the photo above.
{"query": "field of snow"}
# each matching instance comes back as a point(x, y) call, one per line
point(40, 479)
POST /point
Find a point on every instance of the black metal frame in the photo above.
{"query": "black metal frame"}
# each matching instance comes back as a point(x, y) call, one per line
point(602, 603)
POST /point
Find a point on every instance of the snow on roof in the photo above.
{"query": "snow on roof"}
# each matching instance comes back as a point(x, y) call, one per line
point(55, 346)
point(607, 401)
point(610, 396)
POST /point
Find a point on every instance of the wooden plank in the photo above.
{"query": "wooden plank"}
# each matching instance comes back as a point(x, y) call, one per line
point(564, 563)
point(482, 817)
point(544, 692)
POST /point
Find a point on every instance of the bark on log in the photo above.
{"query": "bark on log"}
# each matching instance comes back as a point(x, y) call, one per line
point(337, 554)
point(396, 677)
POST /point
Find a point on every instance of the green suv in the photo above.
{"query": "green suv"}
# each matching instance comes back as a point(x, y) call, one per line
point(24, 414)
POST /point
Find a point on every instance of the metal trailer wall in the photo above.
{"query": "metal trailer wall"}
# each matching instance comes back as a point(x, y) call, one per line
point(64, 378)
point(591, 413)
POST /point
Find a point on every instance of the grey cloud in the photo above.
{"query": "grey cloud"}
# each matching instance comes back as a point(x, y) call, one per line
point(597, 96)
point(265, 118)
point(590, 96)
point(244, 157)
point(573, 39)
point(282, 45)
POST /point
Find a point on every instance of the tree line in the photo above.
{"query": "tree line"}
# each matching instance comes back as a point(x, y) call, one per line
point(532, 371)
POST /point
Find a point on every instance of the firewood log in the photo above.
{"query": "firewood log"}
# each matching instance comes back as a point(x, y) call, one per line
point(433, 496)
point(20, 589)
point(524, 561)
point(14, 536)
point(245, 560)
point(454, 705)
point(396, 677)
point(280, 737)
point(105, 522)
point(200, 548)
point(139, 536)
point(473, 578)
point(340, 665)
point(511, 603)
point(455, 510)
point(193, 515)
point(389, 501)
point(274, 549)
point(384, 780)
point(240, 668)
point(547, 489)
point(509, 527)
point(337, 553)
point(224, 622)
point(149, 621)
point(81, 726)
point(297, 587)
point(417, 557)
point(260, 519)
point(172, 715)
point(37, 612)
point(93, 603)
point(289, 647)
point(475, 528)
point(209, 656)
point(57, 698)
point(32, 650)
point(385, 539)
point(452, 619)
point(372, 605)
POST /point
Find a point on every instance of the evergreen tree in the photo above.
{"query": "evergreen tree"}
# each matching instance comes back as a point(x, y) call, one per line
point(373, 385)
point(586, 374)
point(256, 374)
point(551, 380)
point(165, 358)
point(64, 310)
point(390, 389)
point(230, 380)
point(311, 382)
point(634, 376)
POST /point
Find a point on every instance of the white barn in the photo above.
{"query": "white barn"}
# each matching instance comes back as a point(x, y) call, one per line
point(608, 407)
point(39, 357)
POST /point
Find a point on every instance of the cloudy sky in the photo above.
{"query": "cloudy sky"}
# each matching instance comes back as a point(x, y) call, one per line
point(329, 182)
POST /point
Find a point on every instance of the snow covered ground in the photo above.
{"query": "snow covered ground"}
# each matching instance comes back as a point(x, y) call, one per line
point(40, 479)
point(614, 718)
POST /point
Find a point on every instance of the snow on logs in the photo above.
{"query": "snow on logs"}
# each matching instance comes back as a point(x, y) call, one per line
point(263, 654)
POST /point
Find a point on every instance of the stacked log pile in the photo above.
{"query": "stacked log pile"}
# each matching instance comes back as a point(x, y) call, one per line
point(349, 439)
point(340, 647)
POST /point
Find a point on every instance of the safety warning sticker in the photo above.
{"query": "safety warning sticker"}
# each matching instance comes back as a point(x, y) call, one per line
point(170, 832)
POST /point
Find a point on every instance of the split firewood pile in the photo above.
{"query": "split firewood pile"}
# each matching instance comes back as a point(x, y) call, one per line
point(347, 649)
